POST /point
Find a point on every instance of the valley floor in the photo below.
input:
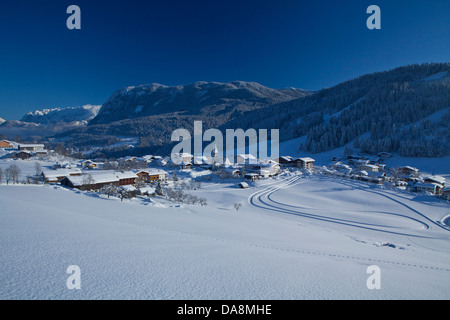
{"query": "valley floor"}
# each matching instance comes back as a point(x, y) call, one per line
point(297, 237)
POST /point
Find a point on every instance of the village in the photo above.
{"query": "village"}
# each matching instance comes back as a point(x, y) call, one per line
point(153, 175)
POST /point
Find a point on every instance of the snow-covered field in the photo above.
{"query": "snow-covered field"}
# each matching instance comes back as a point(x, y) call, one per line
point(295, 237)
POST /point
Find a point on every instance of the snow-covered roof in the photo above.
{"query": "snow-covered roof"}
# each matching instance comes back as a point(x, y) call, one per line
point(147, 190)
point(307, 159)
point(96, 178)
point(372, 166)
point(128, 188)
point(60, 172)
point(125, 175)
point(153, 171)
point(246, 156)
point(101, 177)
point(409, 168)
point(437, 179)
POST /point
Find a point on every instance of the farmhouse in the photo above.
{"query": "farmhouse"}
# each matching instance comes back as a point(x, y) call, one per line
point(96, 181)
point(5, 144)
point(368, 167)
point(150, 175)
point(305, 163)
point(285, 161)
point(263, 170)
point(126, 177)
point(31, 147)
point(54, 176)
point(23, 155)
point(407, 170)
point(433, 188)
point(245, 158)
point(185, 157)
point(435, 179)
point(233, 172)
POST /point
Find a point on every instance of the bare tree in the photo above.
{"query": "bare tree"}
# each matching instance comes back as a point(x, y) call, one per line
point(8, 175)
point(203, 202)
point(14, 172)
point(109, 190)
point(37, 170)
point(395, 172)
point(237, 206)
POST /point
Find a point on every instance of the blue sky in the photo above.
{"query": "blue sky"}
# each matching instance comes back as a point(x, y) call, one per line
point(304, 44)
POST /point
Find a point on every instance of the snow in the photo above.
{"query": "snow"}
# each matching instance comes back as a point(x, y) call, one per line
point(437, 76)
point(295, 237)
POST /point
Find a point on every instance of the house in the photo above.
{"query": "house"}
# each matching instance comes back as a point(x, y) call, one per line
point(31, 147)
point(54, 176)
point(263, 170)
point(182, 157)
point(305, 163)
point(5, 144)
point(185, 165)
point(41, 153)
point(251, 176)
point(93, 181)
point(245, 158)
point(285, 161)
point(445, 193)
point(435, 179)
point(407, 170)
point(368, 167)
point(433, 188)
point(150, 175)
point(384, 155)
point(22, 155)
point(126, 177)
point(352, 159)
point(243, 185)
point(233, 172)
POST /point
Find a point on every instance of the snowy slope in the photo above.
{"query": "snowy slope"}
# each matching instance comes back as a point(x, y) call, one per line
point(81, 114)
point(294, 238)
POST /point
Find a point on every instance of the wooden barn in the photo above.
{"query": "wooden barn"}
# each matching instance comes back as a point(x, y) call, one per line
point(54, 176)
point(96, 181)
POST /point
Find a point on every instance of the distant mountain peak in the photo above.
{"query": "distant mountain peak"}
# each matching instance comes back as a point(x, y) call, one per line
point(62, 115)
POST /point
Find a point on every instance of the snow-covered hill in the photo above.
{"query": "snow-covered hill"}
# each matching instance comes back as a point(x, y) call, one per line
point(2, 120)
point(81, 115)
point(48, 122)
point(199, 98)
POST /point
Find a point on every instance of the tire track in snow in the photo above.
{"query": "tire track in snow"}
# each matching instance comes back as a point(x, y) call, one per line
point(257, 199)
